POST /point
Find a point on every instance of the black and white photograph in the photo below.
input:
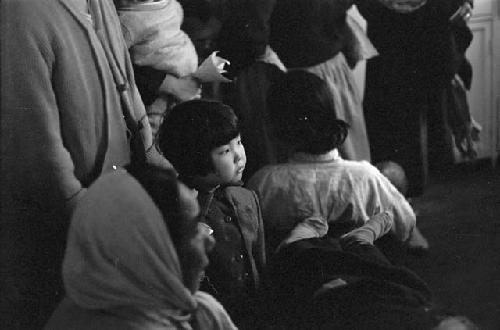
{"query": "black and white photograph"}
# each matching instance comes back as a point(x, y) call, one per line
point(250, 164)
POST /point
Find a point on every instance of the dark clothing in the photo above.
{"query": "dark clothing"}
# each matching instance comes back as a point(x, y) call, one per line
point(317, 37)
point(405, 85)
point(306, 33)
point(248, 99)
point(376, 294)
point(244, 33)
point(239, 254)
point(148, 81)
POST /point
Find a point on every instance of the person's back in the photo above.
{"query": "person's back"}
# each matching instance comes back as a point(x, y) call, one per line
point(345, 193)
point(202, 140)
point(317, 181)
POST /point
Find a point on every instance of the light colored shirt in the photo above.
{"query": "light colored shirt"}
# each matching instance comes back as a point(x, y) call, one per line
point(327, 186)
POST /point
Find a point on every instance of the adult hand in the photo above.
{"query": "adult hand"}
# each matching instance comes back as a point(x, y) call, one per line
point(184, 88)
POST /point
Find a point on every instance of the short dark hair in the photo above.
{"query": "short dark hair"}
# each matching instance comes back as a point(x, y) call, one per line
point(191, 131)
point(303, 113)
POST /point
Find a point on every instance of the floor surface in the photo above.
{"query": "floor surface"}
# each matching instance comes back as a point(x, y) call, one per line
point(459, 214)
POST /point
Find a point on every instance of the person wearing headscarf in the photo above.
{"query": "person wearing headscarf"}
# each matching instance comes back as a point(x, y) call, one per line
point(134, 258)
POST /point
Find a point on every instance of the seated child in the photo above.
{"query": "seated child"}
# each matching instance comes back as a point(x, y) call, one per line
point(316, 182)
point(163, 55)
point(202, 140)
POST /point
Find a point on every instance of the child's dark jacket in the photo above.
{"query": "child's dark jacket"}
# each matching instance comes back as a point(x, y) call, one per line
point(232, 276)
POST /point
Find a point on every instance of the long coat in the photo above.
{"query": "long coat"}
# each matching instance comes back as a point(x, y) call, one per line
point(62, 126)
point(405, 85)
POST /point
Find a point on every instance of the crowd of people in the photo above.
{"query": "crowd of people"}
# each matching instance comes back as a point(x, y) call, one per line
point(127, 198)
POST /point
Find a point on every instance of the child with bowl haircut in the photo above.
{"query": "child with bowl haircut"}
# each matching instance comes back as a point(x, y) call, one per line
point(202, 140)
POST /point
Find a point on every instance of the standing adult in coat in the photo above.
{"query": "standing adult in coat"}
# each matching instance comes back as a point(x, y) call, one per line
point(406, 83)
point(70, 111)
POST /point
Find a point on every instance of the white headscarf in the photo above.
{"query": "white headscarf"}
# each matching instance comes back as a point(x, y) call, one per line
point(120, 258)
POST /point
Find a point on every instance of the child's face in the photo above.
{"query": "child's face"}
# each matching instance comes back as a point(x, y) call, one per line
point(229, 162)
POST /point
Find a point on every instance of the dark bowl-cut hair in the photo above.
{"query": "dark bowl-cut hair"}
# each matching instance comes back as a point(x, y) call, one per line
point(191, 131)
point(302, 111)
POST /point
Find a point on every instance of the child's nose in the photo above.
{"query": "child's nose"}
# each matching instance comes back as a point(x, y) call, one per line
point(239, 153)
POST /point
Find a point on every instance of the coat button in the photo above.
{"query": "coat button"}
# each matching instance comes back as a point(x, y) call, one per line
point(228, 219)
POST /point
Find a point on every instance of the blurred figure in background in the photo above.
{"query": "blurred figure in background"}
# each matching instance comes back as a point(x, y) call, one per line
point(319, 37)
point(406, 83)
point(163, 55)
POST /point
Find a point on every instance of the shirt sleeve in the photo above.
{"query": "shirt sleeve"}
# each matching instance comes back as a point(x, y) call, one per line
point(385, 197)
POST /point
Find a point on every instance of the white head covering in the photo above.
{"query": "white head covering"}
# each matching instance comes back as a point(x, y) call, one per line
point(120, 258)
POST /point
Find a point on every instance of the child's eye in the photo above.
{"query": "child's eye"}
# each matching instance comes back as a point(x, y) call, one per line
point(224, 151)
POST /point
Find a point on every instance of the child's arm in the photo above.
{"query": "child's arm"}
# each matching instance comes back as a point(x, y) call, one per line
point(184, 89)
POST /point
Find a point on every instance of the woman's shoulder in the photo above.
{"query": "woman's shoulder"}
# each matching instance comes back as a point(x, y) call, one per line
point(69, 315)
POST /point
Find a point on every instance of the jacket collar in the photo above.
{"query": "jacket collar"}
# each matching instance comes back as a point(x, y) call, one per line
point(302, 157)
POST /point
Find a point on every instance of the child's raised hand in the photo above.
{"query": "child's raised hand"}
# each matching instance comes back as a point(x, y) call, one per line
point(184, 88)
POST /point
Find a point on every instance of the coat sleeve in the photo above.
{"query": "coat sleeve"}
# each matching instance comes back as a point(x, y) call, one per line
point(31, 135)
point(259, 245)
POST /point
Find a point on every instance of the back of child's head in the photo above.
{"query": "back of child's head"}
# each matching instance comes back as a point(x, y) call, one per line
point(303, 113)
point(192, 130)
point(396, 175)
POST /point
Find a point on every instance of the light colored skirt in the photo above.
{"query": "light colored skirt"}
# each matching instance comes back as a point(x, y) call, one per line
point(348, 104)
